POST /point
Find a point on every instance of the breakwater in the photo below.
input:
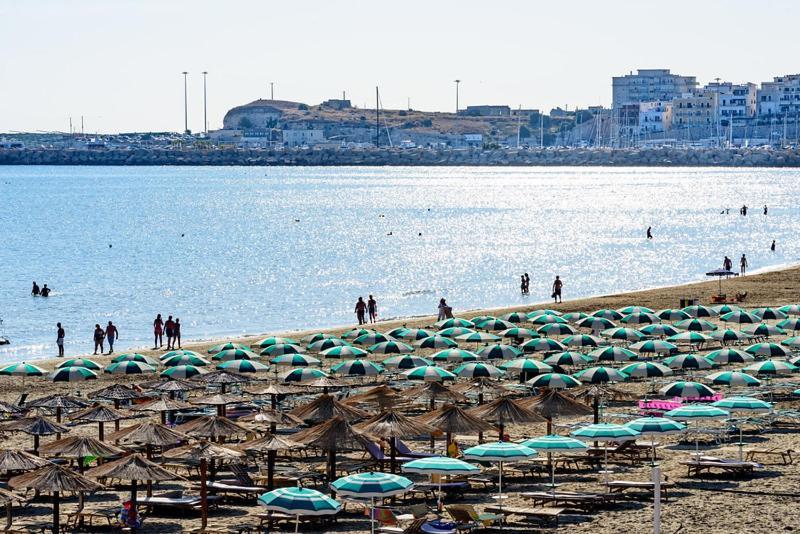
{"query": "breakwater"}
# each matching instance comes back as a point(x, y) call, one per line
point(743, 157)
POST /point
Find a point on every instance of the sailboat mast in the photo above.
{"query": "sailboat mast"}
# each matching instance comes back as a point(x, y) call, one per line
point(377, 118)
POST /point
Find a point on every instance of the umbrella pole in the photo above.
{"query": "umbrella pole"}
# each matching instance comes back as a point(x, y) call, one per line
point(372, 517)
point(439, 496)
point(36, 445)
point(203, 493)
point(134, 489)
point(741, 445)
point(101, 434)
point(58, 420)
point(332, 469)
point(149, 452)
point(56, 512)
point(552, 472)
point(271, 470)
point(480, 403)
point(9, 518)
point(393, 454)
point(500, 487)
point(605, 463)
point(296, 523)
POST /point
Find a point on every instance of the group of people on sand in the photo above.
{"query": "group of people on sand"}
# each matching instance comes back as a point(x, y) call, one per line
point(727, 264)
point(171, 327)
point(364, 309)
point(44, 291)
point(110, 335)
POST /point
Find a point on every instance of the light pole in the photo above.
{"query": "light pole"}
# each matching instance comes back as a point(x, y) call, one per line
point(185, 104)
point(205, 106)
point(272, 90)
point(457, 82)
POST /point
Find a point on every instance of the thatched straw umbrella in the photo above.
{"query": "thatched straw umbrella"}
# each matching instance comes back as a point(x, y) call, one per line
point(162, 405)
point(7, 499)
point(325, 407)
point(116, 393)
point(99, 414)
point(35, 426)
point(54, 479)
point(391, 425)
point(326, 383)
point(223, 379)
point(212, 427)
point(451, 419)
point(270, 444)
point(16, 460)
point(505, 410)
point(381, 398)
point(204, 451)
point(595, 392)
point(11, 409)
point(550, 403)
point(482, 387)
point(331, 436)
point(58, 403)
point(172, 386)
point(219, 400)
point(151, 434)
point(274, 391)
point(273, 418)
point(433, 391)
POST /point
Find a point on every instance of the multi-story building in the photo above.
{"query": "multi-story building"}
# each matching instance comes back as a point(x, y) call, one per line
point(737, 101)
point(698, 108)
point(655, 116)
point(780, 97)
point(650, 85)
point(486, 111)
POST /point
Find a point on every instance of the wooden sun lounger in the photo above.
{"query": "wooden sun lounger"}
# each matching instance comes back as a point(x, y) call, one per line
point(544, 514)
point(587, 502)
point(785, 454)
point(183, 503)
point(697, 467)
point(619, 486)
point(232, 486)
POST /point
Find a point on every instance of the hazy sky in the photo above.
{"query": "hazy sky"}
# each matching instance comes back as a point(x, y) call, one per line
point(118, 62)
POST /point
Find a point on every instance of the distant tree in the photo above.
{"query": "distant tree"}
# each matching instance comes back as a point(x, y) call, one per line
point(402, 113)
point(426, 123)
point(245, 123)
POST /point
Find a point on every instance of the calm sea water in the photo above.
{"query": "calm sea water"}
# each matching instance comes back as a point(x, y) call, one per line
point(249, 250)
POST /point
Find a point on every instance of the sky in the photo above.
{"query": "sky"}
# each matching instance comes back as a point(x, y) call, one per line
point(118, 63)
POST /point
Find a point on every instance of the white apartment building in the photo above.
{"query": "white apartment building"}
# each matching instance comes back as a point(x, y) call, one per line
point(655, 116)
point(780, 97)
point(738, 101)
point(303, 136)
point(650, 85)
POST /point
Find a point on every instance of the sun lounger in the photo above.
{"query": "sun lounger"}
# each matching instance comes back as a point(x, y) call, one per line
point(784, 454)
point(704, 464)
point(587, 502)
point(543, 514)
point(619, 486)
point(377, 454)
point(403, 449)
point(467, 518)
point(413, 528)
point(233, 487)
point(182, 502)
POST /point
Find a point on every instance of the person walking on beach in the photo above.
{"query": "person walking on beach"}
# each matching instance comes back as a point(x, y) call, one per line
point(743, 265)
point(727, 263)
point(99, 335)
point(361, 308)
point(557, 285)
point(772, 246)
point(112, 334)
point(169, 329)
point(649, 233)
point(176, 331)
point(372, 308)
point(158, 331)
point(35, 290)
point(60, 339)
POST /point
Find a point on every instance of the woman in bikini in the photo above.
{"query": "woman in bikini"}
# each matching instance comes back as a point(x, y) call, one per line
point(158, 332)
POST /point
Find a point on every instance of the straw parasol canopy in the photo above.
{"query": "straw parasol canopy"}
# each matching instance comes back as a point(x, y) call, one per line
point(9, 408)
point(433, 391)
point(116, 393)
point(219, 400)
point(325, 407)
point(451, 419)
point(7, 499)
point(35, 426)
point(505, 410)
point(99, 414)
point(275, 389)
point(270, 444)
point(273, 417)
point(152, 434)
point(551, 403)
point(58, 403)
point(17, 460)
point(80, 447)
point(595, 392)
point(173, 385)
point(212, 427)
point(391, 425)
point(221, 378)
point(326, 382)
point(380, 397)
point(481, 387)
point(163, 405)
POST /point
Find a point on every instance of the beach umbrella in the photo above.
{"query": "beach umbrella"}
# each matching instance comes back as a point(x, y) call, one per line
point(581, 340)
point(555, 444)
point(428, 373)
point(414, 334)
point(478, 370)
point(452, 419)
point(503, 411)
point(303, 374)
point(790, 309)
point(243, 366)
point(500, 452)
point(770, 368)
point(455, 322)
point(80, 362)
point(185, 359)
point(792, 324)
point(326, 407)
point(73, 374)
point(764, 330)
point(568, 359)
point(553, 381)
point(519, 333)
point(391, 347)
point(545, 318)
point(280, 349)
point(405, 361)
point(499, 352)
point(730, 336)
point(672, 315)
point(556, 329)
point(270, 444)
point(654, 346)
point(99, 414)
point(514, 317)
point(637, 318)
point(295, 360)
point(623, 334)
point(574, 317)
point(478, 337)
point(381, 398)
point(696, 325)
point(656, 426)
point(161, 405)
point(686, 390)
point(551, 403)
point(646, 370)
point(179, 352)
point(391, 425)
point(661, 329)
point(372, 339)
point(792, 342)
point(172, 385)
point(371, 486)
point(22, 369)
point(439, 465)
point(481, 318)
point(607, 432)
point(688, 361)
point(628, 310)
point(768, 350)
point(696, 412)
point(767, 314)
point(19, 460)
point(227, 346)
point(129, 368)
point(35, 426)
point(355, 332)
point(316, 336)
point(357, 368)
point(613, 354)
point(536, 313)
point(733, 378)
point(596, 324)
point(543, 345)
point(743, 404)
point(611, 315)
point(600, 375)
point(299, 502)
point(436, 342)
point(275, 340)
point(699, 311)
point(182, 371)
point(740, 317)
point(135, 357)
point(455, 355)
point(235, 354)
point(330, 342)
point(690, 338)
point(495, 325)
point(344, 351)
point(725, 356)
point(526, 367)
point(455, 331)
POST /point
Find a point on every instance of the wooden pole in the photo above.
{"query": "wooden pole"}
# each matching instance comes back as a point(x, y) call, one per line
point(116, 422)
point(203, 493)
point(56, 512)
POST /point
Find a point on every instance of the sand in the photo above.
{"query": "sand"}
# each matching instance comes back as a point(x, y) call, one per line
point(765, 503)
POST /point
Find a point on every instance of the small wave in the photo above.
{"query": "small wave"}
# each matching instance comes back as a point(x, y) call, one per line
point(418, 292)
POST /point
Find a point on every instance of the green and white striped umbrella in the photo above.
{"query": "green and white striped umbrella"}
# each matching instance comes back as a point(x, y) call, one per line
point(481, 318)
point(770, 368)
point(574, 317)
point(662, 329)
point(281, 348)
point(514, 317)
point(627, 310)
point(607, 432)
point(227, 346)
point(436, 342)
point(690, 338)
point(696, 325)
point(722, 309)
point(275, 340)
point(568, 359)
point(519, 333)
point(235, 354)
point(356, 332)
point(313, 338)
point(185, 359)
point(553, 443)
point(600, 375)
point(596, 324)
point(673, 315)
point(528, 366)
point(582, 340)
point(556, 329)
point(500, 452)
point(656, 426)
point(768, 350)
point(393, 333)
point(792, 342)
point(414, 334)
point(499, 352)
point(730, 336)
point(646, 370)
point(543, 345)
point(22, 369)
point(135, 357)
point(182, 371)
point(547, 319)
point(327, 343)
point(537, 313)
point(73, 374)
point(455, 321)
point(299, 502)
point(494, 325)
point(769, 314)
point(725, 356)
point(688, 361)
point(740, 317)
point(478, 370)
point(613, 354)
point(764, 330)
point(391, 347)
point(455, 331)
point(80, 362)
point(179, 352)
point(243, 366)
point(129, 368)
point(455, 356)
point(295, 360)
point(357, 368)
point(795, 361)
point(623, 334)
point(439, 465)
point(611, 315)
point(344, 351)
point(700, 311)
point(686, 390)
point(553, 381)
point(733, 379)
point(743, 404)
point(303, 374)
point(791, 309)
point(792, 324)
point(371, 485)
point(654, 346)
point(641, 318)
point(478, 337)
point(372, 339)
point(429, 373)
point(405, 361)
point(691, 412)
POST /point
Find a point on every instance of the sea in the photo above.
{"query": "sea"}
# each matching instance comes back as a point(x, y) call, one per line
point(249, 250)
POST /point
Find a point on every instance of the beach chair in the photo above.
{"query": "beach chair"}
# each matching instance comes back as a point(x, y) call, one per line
point(620, 486)
point(415, 527)
point(545, 515)
point(403, 448)
point(378, 455)
point(467, 518)
point(784, 454)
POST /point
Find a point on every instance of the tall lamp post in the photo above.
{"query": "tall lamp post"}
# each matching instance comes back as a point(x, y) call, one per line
point(205, 106)
point(457, 82)
point(185, 104)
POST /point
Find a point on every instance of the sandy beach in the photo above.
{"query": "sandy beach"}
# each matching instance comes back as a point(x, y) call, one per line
point(765, 502)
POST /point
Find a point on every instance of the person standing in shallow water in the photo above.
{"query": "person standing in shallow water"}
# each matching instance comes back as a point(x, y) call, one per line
point(557, 285)
point(158, 332)
point(743, 265)
point(177, 331)
point(361, 308)
point(99, 335)
point(772, 246)
point(649, 232)
point(372, 308)
point(169, 329)
point(60, 334)
point(35, 290)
